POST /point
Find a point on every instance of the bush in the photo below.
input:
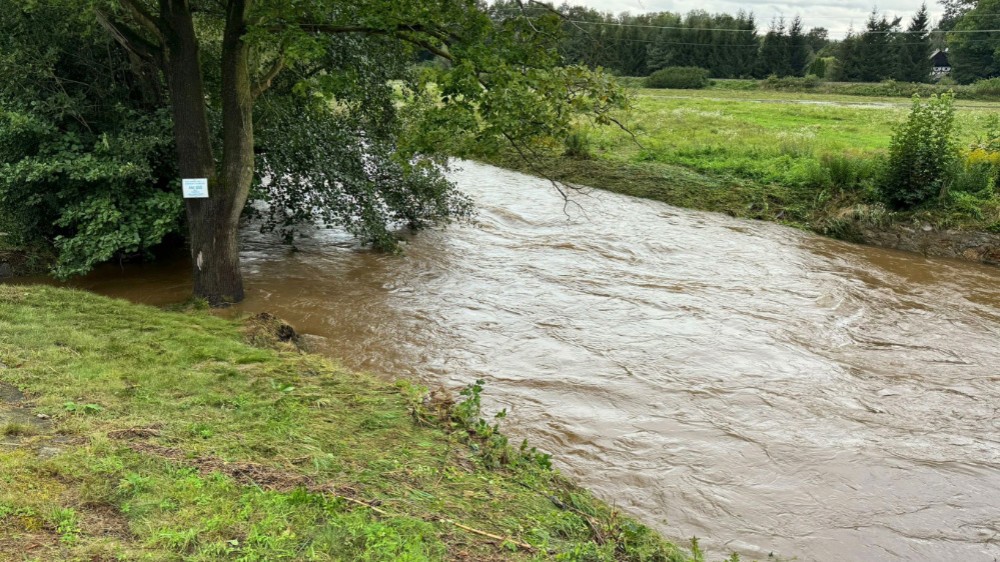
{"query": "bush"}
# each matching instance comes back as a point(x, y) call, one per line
point(790, 83)
point(981, 170)
point(86, 162)
point(923, 158)
point(678, 78)
point(988, 87)
point(93, 197)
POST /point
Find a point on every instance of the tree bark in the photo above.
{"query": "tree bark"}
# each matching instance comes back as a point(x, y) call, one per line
point(213, 222)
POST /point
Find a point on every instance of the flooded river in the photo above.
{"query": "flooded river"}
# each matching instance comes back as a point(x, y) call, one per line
point(761, 388)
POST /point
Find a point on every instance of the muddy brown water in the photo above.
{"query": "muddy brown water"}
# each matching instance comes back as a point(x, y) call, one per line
point(761, 388)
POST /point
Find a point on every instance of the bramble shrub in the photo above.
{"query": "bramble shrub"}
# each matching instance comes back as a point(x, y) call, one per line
point(923, 157)
point(679, 78)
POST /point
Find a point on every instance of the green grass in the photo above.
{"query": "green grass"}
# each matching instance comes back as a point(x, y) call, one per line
point(170, 438)
point(762, 136)
point(806, 160)
point(887, 89)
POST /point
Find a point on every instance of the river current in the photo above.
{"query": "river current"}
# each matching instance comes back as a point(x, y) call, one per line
point(761, 388)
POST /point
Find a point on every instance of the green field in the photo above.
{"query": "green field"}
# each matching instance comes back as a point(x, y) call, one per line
point(796, 158)
point(763, 136)
point(131, 433)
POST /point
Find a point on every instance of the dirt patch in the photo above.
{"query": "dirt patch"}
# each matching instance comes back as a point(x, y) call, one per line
point(103, 520)
point(9, 394)
point(17, 420)
point(136, 433)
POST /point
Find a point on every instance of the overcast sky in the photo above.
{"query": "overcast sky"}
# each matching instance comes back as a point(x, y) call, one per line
point(835, 15)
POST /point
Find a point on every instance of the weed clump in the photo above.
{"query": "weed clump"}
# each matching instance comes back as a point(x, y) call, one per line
point(15, 429)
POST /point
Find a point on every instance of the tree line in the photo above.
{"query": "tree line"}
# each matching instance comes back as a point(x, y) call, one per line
point(735, 46)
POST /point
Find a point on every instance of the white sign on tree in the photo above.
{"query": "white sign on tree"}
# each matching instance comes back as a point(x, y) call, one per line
point(195, 188)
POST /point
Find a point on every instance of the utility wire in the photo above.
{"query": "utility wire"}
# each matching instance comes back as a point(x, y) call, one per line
point(683, 28)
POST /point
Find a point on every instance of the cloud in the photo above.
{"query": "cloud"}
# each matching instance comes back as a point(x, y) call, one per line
point(837, 16)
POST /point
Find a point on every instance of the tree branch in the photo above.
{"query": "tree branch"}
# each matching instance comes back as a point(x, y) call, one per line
point(424, 44)
point(261, 85)
point(130, 39)
point(144, 18)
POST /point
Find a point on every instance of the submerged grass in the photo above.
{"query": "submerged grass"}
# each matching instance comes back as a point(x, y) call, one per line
point(168, 437)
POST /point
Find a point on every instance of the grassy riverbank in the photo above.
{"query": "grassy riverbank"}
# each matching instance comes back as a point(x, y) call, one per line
point(143, 434)
point(986, 90)
point(802, 159)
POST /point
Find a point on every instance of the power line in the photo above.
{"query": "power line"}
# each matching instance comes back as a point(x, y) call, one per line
point(602, 42)
point(689, 28)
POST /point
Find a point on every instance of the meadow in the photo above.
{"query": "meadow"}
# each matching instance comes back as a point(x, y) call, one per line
point(765, 136)
point(798, 158)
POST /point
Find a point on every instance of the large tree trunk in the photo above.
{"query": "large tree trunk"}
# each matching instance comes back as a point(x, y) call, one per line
point(213, 223)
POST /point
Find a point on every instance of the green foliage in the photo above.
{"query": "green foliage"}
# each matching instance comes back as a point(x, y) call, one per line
point(348, 136)
point(872, 55)
point(356, 137)
point(678, 78)
point(987, 87)
point(847, 172)
point(922, 154)
point(819, 66)
point(724, 44)
point(85, 164)
point(346, 169)
point(975, 189)
point(486, 439)
point(914, 50)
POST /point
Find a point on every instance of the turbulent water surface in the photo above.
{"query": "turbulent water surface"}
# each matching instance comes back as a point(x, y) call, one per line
point(761, 388)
